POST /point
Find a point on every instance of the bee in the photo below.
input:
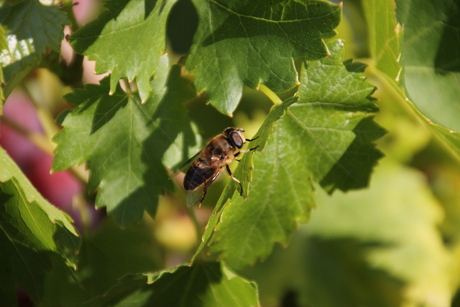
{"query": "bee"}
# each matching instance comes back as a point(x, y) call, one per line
point(208, 163)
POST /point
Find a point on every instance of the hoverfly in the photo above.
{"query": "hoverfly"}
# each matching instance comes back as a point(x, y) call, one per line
point(218, 152)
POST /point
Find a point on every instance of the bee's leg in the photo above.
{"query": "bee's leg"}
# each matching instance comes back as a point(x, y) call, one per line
point(229, 171)
point(245, 150)
point(250, 140)
point(207, 185)
point(205, 190)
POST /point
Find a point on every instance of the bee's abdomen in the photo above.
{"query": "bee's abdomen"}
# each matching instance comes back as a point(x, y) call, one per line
point(197, 175)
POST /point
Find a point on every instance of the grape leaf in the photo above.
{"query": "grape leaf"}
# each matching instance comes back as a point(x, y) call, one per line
point(35, 236)
point(246, 163)
point(125, 142)
point(326, 136)
point(410, 250)
point(126, 40)
point(431, 58)
point(247, 42)
point(30, 28)
point(361, 249)
point(424, 86)
point(106, 256)
point(203, 284)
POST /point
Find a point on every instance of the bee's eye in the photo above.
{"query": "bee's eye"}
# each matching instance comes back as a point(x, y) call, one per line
point(237, 140)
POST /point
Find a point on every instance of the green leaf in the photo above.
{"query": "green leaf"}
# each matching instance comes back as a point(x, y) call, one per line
point(125, 142)
point(410, 250)
point(431, 58)
point(247, 43)
point(315, 139)
point(416, 80)
point(31, 28)
point(127, 40)
point(35, 236)
point(106, 256)
point(203, 284)
point(338, 121)
point(244, 170)
point(376, 247)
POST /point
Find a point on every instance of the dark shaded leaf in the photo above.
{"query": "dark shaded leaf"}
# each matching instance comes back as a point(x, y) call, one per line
point(35, 236)
point(203, 284)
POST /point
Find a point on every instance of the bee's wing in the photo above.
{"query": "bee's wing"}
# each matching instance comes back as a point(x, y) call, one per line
point(185, 166)
point(196, 196)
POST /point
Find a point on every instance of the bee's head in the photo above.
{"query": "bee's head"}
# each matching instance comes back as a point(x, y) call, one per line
point(235, 136)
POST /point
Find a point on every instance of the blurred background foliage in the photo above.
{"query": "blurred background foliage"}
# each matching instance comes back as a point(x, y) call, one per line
point(393, 244)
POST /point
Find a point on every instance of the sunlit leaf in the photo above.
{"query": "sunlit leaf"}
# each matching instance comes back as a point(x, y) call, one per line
point(247, 43)
point(127, 40)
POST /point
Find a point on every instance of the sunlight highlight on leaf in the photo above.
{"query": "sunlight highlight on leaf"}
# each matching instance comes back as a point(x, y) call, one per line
point(17, 49)
point(31, 28)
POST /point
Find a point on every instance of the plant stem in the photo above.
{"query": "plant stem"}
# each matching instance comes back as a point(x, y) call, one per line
point(67, 6)
point(42, 110)
point(38, 139)
point(44, 144)
point(43, 141)
point(270, 94)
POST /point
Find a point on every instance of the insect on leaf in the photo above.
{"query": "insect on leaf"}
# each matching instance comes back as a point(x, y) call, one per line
point(315, 140)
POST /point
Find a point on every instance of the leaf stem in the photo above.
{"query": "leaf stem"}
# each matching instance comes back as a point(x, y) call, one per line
point(43, 141)
point(44, 115)
point(38, 139)
point(67, 6)
point(270, 94)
